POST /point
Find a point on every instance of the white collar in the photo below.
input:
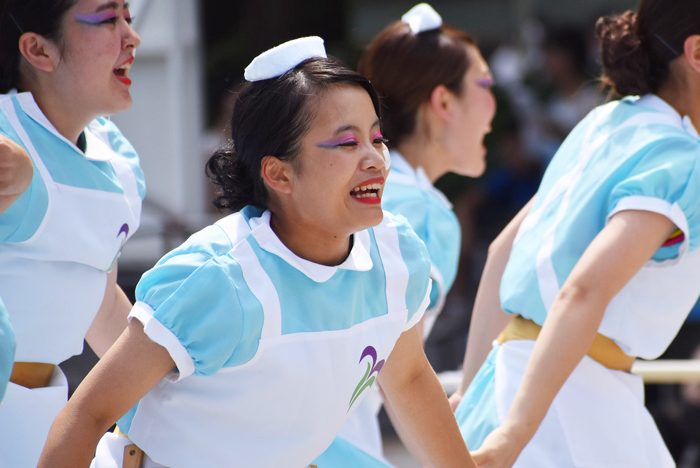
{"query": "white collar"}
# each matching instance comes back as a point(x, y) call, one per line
point(652, 101)
point(358, 260)
point(406, 175)
point(30, 107)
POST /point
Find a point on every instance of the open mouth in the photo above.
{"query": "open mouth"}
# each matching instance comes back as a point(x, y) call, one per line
point(122, 72)
point(368, 192)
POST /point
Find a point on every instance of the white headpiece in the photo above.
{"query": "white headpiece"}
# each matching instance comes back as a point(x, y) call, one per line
point(422, 18)
point(279, 60)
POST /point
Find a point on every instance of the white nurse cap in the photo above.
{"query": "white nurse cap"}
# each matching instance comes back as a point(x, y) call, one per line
point(422, 18)
point(279, 60)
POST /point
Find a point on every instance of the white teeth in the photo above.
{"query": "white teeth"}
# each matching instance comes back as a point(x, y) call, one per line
point(126, 67)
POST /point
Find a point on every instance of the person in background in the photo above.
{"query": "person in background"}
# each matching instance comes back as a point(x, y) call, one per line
point(437, 107)
point(601, 267)
point(73, 202)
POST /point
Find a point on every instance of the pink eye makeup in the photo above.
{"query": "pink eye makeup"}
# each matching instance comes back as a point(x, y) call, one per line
point(346, 140)
point(378, 138)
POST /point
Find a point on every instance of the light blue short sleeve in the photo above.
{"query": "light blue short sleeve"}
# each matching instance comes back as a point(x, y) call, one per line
point(192, 298)
point(7, 349)
point(665, 180)
point(415, 256)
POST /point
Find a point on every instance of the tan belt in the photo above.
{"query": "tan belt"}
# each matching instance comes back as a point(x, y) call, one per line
point(133, 456)
point(32, 374)
point(603, 350)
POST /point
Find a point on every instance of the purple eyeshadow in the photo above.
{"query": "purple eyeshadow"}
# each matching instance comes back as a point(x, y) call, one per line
point(337, 142)
point(486, 83)
point(96, 18)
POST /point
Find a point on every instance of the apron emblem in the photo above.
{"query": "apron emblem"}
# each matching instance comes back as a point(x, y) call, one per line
point(368, 379)
point(123, 230)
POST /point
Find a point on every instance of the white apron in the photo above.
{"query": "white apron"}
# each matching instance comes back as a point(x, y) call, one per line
point(597, 420)
point(53, 283)
point(295, 396)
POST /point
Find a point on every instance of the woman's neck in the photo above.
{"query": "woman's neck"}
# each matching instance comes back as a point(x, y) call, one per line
point(310, 242)
point(683, 94)
point(62, 115)
point(420, 151)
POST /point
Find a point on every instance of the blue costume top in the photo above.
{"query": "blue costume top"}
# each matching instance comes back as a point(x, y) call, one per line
point(58, 242)
point(270, 348)
point(627, 155)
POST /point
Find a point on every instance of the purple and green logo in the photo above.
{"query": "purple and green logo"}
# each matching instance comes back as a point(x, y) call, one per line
point(123, 230)
point(368, 379)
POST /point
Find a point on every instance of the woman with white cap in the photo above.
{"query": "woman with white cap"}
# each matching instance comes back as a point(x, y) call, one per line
point(252, 342)
point(604, 266)
point(437, 106)
point(75, 197)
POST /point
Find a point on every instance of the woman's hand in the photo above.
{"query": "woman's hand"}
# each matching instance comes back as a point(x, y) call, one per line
point(500, 449)
point(16, 170)
point(455, 400)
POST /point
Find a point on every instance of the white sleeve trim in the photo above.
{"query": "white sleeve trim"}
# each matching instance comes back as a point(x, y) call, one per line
point(662, 207)
point(431, 314)
point(421, 309)
point(161, 335)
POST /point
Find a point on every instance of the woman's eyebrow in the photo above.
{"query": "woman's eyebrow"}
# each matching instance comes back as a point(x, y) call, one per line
point(345, 128)
point(110, 6)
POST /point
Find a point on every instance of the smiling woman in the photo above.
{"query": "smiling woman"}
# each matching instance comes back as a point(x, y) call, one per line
point(73, 198)
point(253, 342)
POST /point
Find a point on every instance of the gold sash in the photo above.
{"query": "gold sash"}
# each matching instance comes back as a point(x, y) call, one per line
point(603, 350)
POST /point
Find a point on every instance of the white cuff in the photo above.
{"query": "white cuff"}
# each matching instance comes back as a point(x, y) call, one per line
point(662, 207)
point(161, 335)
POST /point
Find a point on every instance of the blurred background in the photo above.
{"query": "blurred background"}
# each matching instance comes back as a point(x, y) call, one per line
point(543, 54)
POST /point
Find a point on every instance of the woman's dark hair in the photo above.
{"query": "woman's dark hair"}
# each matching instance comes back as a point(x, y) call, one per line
point(270, 118)
point(637, 48)
point(405, 68)
point(43, 17)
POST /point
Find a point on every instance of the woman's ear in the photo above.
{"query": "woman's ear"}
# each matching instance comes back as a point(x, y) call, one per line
point(692, 51)
point(41, 53)
point(441, 102)
point(278, 175)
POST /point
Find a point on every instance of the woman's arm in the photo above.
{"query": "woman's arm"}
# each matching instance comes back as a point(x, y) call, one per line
point(608, 264)
point(132, 367)
point(415, 394)
point(16, 171)
point(110, 321)
point(488, 319)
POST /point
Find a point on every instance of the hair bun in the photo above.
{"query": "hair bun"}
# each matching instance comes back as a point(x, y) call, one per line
point(225, 170)
point(626, 61)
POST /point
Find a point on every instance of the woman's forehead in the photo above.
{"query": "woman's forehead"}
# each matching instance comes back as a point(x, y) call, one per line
point(341, 107)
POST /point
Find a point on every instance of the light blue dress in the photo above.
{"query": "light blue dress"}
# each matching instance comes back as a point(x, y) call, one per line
point(7, 350)
point(273, 352)
point(410, 193)
point(58, 242)
point(636, 154)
